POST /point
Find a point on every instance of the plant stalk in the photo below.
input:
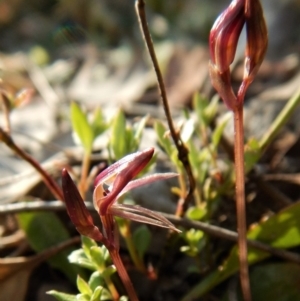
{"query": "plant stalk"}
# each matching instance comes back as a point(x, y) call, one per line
point(181, 148)
point(110, 285)
point(240, 201)
point(115, 257)
point(48, 180)
point(126, 233)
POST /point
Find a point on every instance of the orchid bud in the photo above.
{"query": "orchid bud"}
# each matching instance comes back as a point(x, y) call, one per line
point(223, 41)
point(225, 34)
point(257, 42)
point(77, 211)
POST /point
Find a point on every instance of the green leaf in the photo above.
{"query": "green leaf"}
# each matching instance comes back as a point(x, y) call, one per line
point(96, 280)
point(217, 134)
point(97, 293)
point(199, 105)
point(62, 296)
point(211, 110)
point(195, 213)
point(83, 287)
point(130, 145)
point(118, 135)
point(252, 154)
point(109, 271)
point(196, 240)
point(87, 243)
point(82, 127)
point(138, 129)
point(97, 257)
point(99, 125)
point(280, 230)
point(82, 297)
point(104, 294)
point(80, 258)
point(45, 230)
point(142, 239)
point(163, 140)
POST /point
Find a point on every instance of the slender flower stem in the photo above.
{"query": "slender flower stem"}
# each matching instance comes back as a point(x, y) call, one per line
point(126, 233)
point(240, 201)
point(110, 285)
point(115, 256)
point(181, 148)
point(48, 180)
point(134, 255)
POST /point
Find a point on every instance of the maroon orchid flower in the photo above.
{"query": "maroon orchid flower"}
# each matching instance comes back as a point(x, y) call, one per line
point(110, 185)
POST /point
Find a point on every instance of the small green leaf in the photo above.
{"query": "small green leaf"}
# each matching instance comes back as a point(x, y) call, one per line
point(62, 296)
point(196, 241)
point(82, 127)
point(217, 134)
point(142, 239)
point(205, 109)
point(87, 243)
point(97, 257)
point(96, 280)
point(199, 105)
point(211, 110)
point(99, 125)
point(138, 129)
point(45, 230)
point(82, 297)
point(118, 135)
point(123, 298)
point(163, 140)
point(130, 145)
point(104, 294)
point(252, 154)
point(79, 257)
point(101, 293)
point(109, 271)
point(97, 293)
point(83, 287)
point(193, 157)
point(105, 253)
point(196, 213)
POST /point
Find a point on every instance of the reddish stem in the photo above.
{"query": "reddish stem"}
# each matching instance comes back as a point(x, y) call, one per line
point(115, 256)
point(48, 180)
point(240, 201)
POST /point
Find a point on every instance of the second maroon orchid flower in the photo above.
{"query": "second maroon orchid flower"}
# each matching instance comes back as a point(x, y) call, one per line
point(110, 184)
